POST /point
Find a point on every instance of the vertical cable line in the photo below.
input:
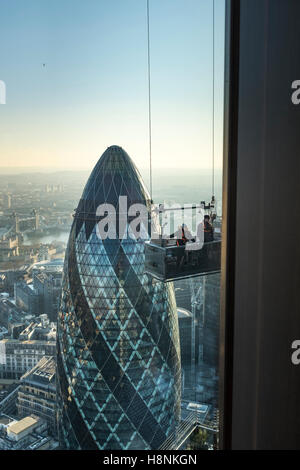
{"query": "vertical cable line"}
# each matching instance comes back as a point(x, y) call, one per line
point(149, 97)
point(213, 105)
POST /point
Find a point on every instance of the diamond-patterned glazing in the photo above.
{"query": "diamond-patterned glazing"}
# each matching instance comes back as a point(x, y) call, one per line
point(118, 342)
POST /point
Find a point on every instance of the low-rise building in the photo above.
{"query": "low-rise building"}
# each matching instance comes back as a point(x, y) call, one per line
point(3, 332)
point(185, 322)
point(48, 287)
point(40, 329)
point(9, 247)
point(37, 393)
point(29, 433)
point(8, 399)
point(27, 298)
point(9, 312)
point(17, 357)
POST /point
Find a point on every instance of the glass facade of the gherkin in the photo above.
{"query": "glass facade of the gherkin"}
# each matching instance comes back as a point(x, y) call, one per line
point(118, 363)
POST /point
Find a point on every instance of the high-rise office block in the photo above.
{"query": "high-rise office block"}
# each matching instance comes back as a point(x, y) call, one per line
point(118, 342)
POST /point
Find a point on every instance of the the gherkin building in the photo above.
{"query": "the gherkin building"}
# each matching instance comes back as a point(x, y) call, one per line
point(118, 363)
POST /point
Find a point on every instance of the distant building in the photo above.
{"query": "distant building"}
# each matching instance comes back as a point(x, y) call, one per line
point(16, 220)
point(211, 322)
point(36, 219)
point(48, 288)
point(185, 333)
point(52, 188)
point(16, 328)
point(41, 329)
point(17, 357)
point(13, 318)
point(200, 296)
point(9, 247)
point(8, 399)
point(7, 201)
point(43, 254)
point(29, 433)
point(11, 276)
point(37, 393)
point(27, 298)
point(183, 294)
point(3, 332)
point(55, 265)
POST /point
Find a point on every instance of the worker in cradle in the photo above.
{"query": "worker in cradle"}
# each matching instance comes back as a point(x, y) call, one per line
point(208, 230)
point(182, 235)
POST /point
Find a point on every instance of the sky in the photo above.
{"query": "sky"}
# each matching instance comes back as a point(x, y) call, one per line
point(92, 91)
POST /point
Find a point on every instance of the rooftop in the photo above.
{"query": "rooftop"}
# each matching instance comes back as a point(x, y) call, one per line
point(19, 426)
point(5, 420)
point(43, 373)
point(26, 341)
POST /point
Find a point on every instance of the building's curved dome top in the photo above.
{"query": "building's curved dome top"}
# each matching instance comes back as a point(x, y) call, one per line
point(114, 175)
point(115, 158)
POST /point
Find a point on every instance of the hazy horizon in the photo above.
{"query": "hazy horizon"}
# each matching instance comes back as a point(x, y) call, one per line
point(13, 170)
point(76, 82)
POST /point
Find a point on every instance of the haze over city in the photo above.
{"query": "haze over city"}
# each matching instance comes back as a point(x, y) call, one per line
point(76, 77)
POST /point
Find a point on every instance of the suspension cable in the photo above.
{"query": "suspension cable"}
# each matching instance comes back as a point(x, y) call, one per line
point(213, 105)
point(149, 97)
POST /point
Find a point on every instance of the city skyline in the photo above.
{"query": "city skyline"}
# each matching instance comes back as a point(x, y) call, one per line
point(80, 314)
point(32, 247)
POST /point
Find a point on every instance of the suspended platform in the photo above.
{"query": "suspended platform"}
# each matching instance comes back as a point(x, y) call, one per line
point(171, 262)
